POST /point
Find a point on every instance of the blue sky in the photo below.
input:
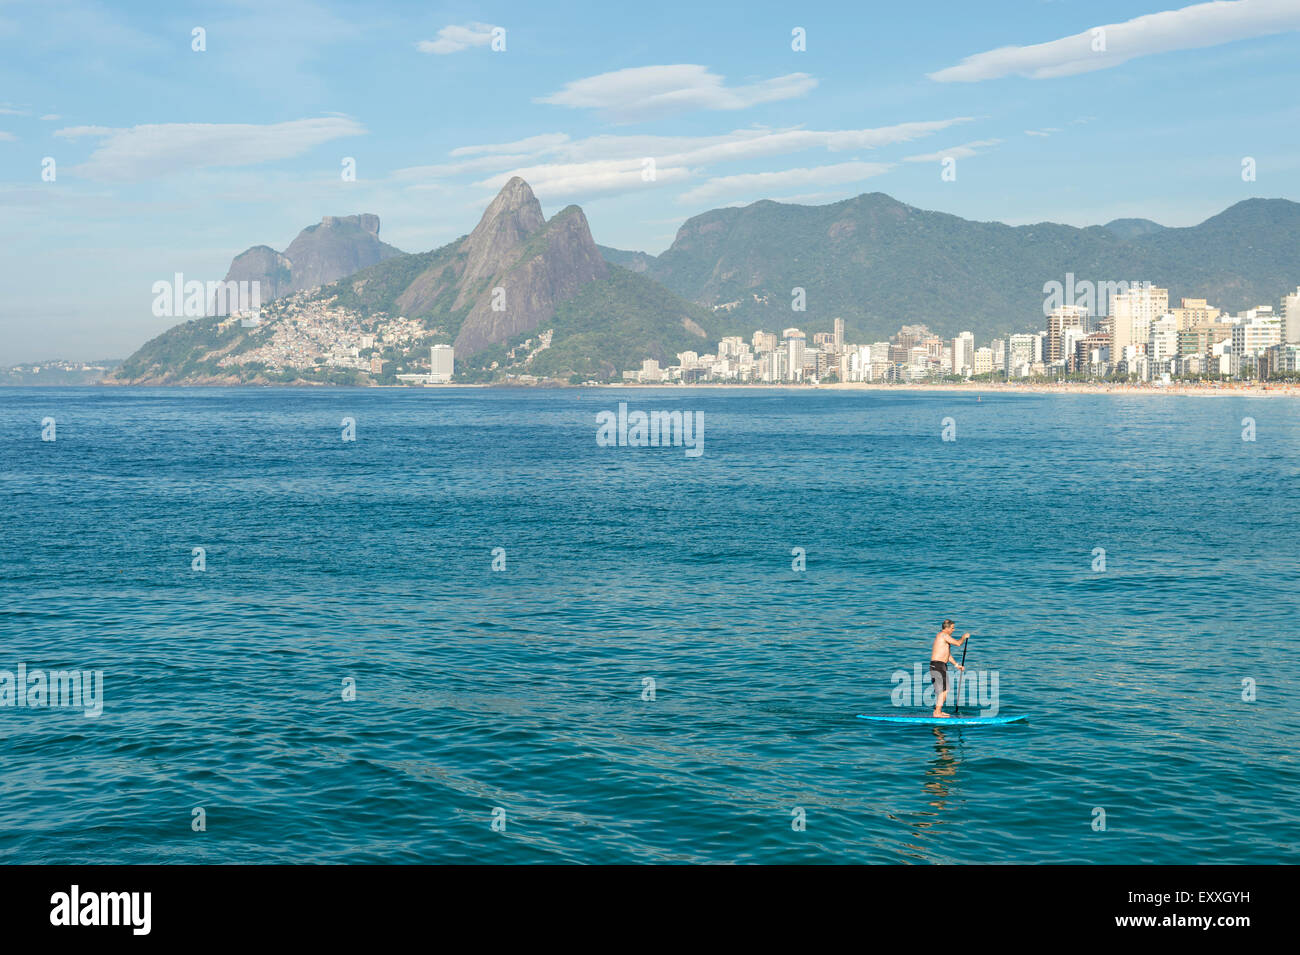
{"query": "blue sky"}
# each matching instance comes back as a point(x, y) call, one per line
point(171, 160)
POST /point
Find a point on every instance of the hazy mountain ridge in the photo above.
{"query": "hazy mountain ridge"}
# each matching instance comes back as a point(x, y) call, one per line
point(1132, 228)
point(335, 247)
point(879, 263)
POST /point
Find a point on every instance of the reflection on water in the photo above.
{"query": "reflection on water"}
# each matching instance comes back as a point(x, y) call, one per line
point(941, 771)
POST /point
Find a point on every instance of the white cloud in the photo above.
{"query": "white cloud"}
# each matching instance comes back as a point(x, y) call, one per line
point(1042, 132)
point(453, 39)
point(50, 117)
point(8, 109)
point(560, 168)
point(1189, 28)
point(964, 151)
point(644, 92)
point(448, 170)
point(143, 152)
point(574, 180)
point(7, 137)
point(533, 144)
point(762, 184)
point(735, 146)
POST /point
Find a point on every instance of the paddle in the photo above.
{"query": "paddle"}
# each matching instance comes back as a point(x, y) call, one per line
point(960, 673)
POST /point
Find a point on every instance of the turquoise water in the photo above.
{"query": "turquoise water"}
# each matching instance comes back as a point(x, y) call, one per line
point(522, 690)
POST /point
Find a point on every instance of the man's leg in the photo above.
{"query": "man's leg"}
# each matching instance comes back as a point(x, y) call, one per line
point(938, 702)
point(940, 679)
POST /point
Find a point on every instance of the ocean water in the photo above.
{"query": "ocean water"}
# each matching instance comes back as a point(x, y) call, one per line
point(521, 695)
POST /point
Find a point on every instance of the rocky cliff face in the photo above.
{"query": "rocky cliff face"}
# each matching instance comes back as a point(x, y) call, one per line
point(322, 253)
point(262, 264)
point(527, 279)
point(513, 216)
point(508, 275)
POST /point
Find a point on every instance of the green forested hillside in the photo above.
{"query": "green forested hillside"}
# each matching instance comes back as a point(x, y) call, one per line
point(616, 323)
point(879, 263)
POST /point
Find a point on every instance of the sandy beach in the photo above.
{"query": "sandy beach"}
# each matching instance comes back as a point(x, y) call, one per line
point(1205, 390)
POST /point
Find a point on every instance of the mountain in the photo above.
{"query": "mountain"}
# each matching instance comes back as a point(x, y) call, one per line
point(518, 273)
point(879, 263)
point(1132, 228)
point(335, 247)
point(632, 261)
point(520, 294)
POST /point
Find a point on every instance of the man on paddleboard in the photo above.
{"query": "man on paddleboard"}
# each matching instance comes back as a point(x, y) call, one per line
point(940, 657)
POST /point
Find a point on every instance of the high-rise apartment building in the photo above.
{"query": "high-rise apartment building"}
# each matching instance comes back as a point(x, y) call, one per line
point(1291, 318)
point(1060, 319)
point(442, 364)
point(1258, 329)
point(1192, 312)
point(1162, 338)
point(1131, 315)
point(963, 354)
point(795, 348)
point(1021, 353)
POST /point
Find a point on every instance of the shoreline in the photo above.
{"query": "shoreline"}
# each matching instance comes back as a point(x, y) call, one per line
point(1187, 389)
point(1239, 390)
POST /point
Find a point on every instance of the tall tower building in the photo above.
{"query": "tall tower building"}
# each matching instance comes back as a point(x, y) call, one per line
point(963, 353)
point(1065, 317)
point(795, 346)
point(1131, 314)
point(1291, 318)
point(839, 334)
point(442, 364)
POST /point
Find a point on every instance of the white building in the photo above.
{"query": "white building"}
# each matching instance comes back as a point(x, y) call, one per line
point(1131, 315)
point(963, 354)
point(1162, 338)
point(1024, 351)
point(1291, 318)
point(442, 364)
point(1256, 330)
point(795, 354)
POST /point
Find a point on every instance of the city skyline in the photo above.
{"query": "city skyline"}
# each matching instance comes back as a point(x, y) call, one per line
point(1141, 338)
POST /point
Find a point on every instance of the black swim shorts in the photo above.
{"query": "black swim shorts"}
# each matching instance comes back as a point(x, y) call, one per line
point(939, 675)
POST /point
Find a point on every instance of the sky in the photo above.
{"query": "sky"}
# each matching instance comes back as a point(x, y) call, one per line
point(143, 139)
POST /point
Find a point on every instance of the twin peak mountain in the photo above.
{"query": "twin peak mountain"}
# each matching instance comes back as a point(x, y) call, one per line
point(502, 280)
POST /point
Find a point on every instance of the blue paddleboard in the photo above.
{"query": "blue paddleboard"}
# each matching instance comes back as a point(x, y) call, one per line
point(945, 721)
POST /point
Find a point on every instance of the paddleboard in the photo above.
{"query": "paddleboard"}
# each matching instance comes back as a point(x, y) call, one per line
point(945, 721)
